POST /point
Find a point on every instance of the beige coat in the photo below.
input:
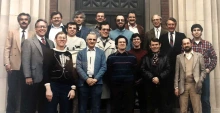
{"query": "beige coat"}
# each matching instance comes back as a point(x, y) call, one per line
point(198, 72)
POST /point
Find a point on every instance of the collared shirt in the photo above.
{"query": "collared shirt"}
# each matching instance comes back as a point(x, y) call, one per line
point(133, 29)
point(40, 38)
point(21, 33)
point(54, 30)
point(206, 49)
point(174, 34)
point(188, 55)
point(90, 61)
point(80, 27)
point(157, 32)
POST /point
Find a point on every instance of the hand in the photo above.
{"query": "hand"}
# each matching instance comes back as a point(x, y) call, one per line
point(176, 92)
point(155, 80)
point(8, 68)
point(29, 81)
point(49, 95)
point(207, 70)
point(71, 94)
point(89, 81)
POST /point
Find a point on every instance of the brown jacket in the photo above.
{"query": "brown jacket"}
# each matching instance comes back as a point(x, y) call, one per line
point(140, 30)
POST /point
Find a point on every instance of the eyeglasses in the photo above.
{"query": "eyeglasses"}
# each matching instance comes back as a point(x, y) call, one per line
point(118, 20)
point(155, 19)
point(41, 27)
point(105, 29)
point(92, 39)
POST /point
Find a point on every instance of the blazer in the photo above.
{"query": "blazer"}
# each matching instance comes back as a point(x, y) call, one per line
point(32, 58)
point(199, 73)
point(12, 49)
point(84, 32)
point(48, 30)
point(140, 30)
point(149, 35)
point(99, 68)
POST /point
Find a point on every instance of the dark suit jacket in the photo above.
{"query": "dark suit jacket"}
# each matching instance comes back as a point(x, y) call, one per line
point(84, 32)
point(48, 30)
point(172, 51)
point(149, 35)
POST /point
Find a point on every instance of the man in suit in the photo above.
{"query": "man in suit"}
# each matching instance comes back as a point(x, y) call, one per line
point(12, 60)
point(171, 44)
point(34, 62)
point(189, 75)
point(155, 32)
point(90, 65)
point(79, 17)
point(56, 26)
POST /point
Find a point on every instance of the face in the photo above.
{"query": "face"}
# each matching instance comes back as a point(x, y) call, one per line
point(41, 28)
point(61, 40)
point(23, 21)
point(121, 44)
point(136, 42)
point(155, 46)
point(56, 20)
point(131, 18)
point(171, 26)
point(91, 40)
point(71, 30)
point(120, 22)
point(79, 19)
point(186, 45)
point(156, 20)
point(100, 17)
point(104, 32)
point(197, 33)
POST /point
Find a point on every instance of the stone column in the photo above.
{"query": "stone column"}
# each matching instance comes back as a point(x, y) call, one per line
point(9, 10)
point(67, 8)
point(206, 13)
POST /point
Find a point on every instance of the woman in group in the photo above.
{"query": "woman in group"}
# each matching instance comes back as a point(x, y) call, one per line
point(60, 87)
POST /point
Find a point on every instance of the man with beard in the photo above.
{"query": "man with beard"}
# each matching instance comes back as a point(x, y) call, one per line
point(189, 76)
point(79, 17)
point(100, 17)
point(206, 49)
point(120, 30)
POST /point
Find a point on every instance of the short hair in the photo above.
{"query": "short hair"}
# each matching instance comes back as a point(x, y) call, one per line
point(24, 14)
point(61, 32)
point(119, 15)
point(55, 13)
point(172, 19)
point(154, 40)
point(39, 20)
point(188, 39)
point(91, 33)
point(155, 15)
point(134, 36)
point(133, 12)
point(196, 26)
point(103, 23)
point(79, 13)
point(121, 36)
point(100, 12)
point(72, 23)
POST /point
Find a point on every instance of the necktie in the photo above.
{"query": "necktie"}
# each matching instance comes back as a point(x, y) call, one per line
point(43, 41)
point(155, 59)
point(23, 36)
point(171, 39)
point(157, 33)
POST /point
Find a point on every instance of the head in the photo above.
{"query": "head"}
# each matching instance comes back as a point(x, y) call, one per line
point(24, 20)
point(156, 20)
point(91, 39)
point(120, 22)
point(155, 45)
point(104, 29)
point(60, 39)
point(171, 24)
point(79, 17)
point(131, 18)
point(41, 27)
point(71, 29)
point(136, 40)
point(196, 30)
point(187, 45)
point(100, 17)
point(121, 42)
point(56, 18)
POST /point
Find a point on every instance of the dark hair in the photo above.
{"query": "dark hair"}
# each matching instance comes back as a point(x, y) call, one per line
point(134, 36)
point(196, 26)
point(154, 40)
point(172, 19)
point(188, 39)
point(61, 32)
point(55, 13)
point(119, 15)
point(39, 20)
point(72, 23)
point(121, 36)
point(100, 12)
point(79, 13)
point(24, 14)
point(133, 12)
point(103, 23)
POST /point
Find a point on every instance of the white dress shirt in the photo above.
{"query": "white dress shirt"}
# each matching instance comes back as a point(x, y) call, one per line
point(40, 38)
point(90, 61)
point(174, 34)
point(53, 31)
point(133, 29)
point(157, 32)
point(188, 55)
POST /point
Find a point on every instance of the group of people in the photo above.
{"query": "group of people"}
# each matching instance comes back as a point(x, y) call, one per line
point(75, 66)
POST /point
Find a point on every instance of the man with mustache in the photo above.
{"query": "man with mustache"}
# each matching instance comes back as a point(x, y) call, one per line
point(100, 17)
point(120, 30)
point(189, 76)
point(12, 60)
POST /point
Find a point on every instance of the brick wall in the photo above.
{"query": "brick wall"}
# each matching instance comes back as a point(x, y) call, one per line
point(164, 10)
point(53, 5)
